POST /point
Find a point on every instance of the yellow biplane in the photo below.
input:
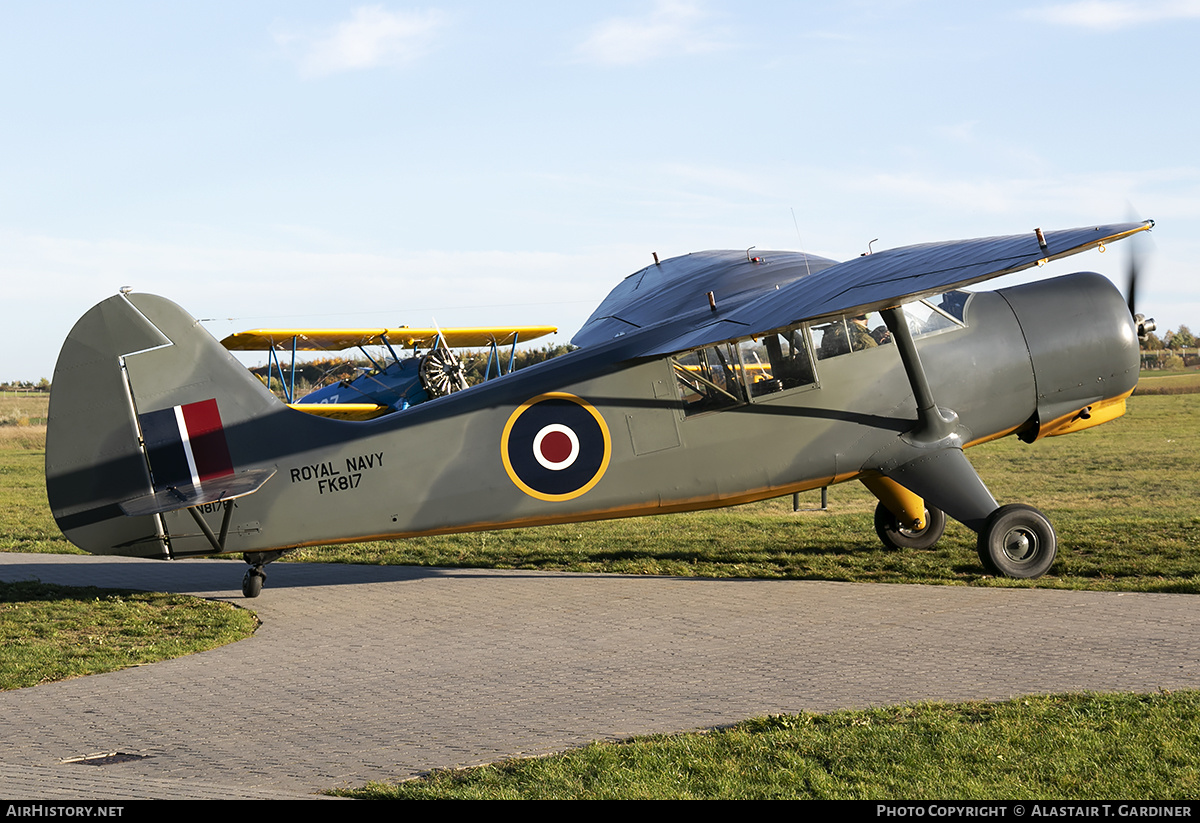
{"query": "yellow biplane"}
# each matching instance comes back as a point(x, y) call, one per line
point(387, 386)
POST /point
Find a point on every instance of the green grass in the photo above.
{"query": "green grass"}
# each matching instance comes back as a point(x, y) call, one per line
point(1066, 746)
point(1168, 382)
point(25, 521)
point(55, 632)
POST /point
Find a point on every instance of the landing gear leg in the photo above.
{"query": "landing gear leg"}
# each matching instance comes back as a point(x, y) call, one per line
point(252, 583)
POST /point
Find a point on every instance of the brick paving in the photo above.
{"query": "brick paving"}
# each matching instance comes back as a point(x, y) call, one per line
point(380, 673)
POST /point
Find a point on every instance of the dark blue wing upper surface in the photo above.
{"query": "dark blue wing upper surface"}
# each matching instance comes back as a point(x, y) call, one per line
point(675, 290)
point(789, 287)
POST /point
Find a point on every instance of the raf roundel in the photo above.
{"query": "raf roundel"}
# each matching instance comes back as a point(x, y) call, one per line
point(555, 447)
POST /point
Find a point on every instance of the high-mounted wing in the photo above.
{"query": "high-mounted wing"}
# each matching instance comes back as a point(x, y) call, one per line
point(674, 290)
point(404, 336)
point(778, 289)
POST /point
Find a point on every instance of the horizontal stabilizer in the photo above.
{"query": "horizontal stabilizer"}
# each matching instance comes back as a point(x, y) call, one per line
point(229, 487)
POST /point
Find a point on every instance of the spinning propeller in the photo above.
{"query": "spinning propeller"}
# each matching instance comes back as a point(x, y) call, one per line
point(1144, 325)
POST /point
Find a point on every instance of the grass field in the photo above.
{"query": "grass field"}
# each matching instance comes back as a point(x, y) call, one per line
point(1164, 382)
point(52, 633)
point(1061, 746)
point(24, 408)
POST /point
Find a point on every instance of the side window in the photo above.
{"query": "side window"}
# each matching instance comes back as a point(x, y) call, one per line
point(776, 361)
point(952, 303)
point(830, 338)
point(843, 335)
point(939, 313)
point(708, 379)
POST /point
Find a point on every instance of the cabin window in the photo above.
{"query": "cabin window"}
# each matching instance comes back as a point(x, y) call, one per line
point(939, 313)
point(729, 374)
point(776, 362)
point(848, 333)
point(709, 378)
point(952, 303)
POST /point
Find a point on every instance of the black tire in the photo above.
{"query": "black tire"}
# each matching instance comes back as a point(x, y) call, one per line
point(252, 583)
point(1017, 541)
point(894, 537)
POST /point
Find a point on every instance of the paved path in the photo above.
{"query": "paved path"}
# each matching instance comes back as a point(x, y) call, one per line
point(379, 673)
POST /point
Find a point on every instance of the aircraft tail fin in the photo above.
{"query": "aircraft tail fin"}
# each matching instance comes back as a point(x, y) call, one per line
point(144, 401)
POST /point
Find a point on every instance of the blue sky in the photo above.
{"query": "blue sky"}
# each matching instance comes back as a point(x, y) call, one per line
point(347, 164)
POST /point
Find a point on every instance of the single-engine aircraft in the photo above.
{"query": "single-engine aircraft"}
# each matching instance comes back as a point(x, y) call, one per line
point(707, 380)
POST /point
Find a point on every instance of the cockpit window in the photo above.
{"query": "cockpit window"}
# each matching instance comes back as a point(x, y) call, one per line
point(844, 335)
point(729, 374)
point(953, 303)
point(776, 361)
point(938, 313)
point(709, 378)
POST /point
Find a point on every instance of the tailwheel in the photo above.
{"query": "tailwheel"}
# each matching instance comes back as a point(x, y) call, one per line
point(1017, 541)
point(895, 536)
point(252, 583)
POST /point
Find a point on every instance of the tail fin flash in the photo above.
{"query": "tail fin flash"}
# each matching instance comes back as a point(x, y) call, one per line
point(145, 403)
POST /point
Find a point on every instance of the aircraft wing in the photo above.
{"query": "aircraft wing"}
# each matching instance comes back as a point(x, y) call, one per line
point(403, 336)
point(804, 288)
point(673, 292)
point(342, 411)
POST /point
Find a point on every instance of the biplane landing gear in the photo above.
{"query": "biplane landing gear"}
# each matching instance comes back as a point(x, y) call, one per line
point(895, 536)
point(1017, 541)
point(252, 583)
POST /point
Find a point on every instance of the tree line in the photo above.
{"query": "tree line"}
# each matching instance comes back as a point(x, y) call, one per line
point(1177, 340)
point(42, 385)
point(1171, 351)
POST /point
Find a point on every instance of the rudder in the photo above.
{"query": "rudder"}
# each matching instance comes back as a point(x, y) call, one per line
point(131, 366)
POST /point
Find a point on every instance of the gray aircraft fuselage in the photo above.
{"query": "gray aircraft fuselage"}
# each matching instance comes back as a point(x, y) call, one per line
point(1024, 360)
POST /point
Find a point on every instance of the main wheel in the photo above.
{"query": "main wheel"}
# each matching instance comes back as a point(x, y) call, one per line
point(252, 583)
point(1017, 541)
point(895, 536)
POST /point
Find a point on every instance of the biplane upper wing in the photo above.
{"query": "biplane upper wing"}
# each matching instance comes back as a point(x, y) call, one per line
point(403, 336)
point(779, 289)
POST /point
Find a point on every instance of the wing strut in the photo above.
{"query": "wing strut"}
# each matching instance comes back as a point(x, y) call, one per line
point(933, 424)
point(929, 459)
point(218, 544)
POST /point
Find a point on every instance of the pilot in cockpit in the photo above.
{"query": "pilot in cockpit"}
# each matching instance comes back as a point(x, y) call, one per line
point(843, 337)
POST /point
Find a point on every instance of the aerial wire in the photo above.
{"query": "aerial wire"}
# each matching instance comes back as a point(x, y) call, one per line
point(799, 240)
